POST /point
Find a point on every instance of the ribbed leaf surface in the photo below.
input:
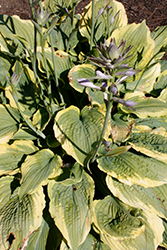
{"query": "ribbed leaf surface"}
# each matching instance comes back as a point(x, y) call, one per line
point(112, 219)
point(20, 217)
point(153, 199)
point(78, 132)
point(37, 168)
point(70, 207)
point(131, 168)
point(11, 155)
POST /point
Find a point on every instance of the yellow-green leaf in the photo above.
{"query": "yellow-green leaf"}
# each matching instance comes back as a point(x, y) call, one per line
point(70, 207)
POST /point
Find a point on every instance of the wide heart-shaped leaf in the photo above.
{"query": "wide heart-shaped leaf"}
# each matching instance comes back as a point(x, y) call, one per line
point(156, 107)
point(18, 218)
point(112, 219)
point(9, 124)
point(70, 207)
point(151, 199)
point(101, 20)
point(152, 143)
point(37, 168)
point(11, 155)
point(131, 168)
point(78, 132)
point(149, 239)
point(5, 189)
point(80, 71)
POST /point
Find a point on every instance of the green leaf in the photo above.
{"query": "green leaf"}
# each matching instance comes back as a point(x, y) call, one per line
point(70, 176)
point(151, 199)
point(160, 37)
point(146, 106)
point(80, 71)
point(11, 155)
point(146, 82)
point(41, 119)
point(64, 35)
point(14, 29)
point(131, 168)
point(78, 132)
point(54, 5)
point(90, 243)
point(38, 239)
point(153, 122)
point(112, 219)
point(152, 143)
point(18, 218)
point(37, 169)
point(9, 124)
point(4, 66)
point(137, 35)
point(5, 189)
point(100, 23)
point(121, 127)
point(62, 60)
point(161, 82)
point(149, 239)
point(70, 207)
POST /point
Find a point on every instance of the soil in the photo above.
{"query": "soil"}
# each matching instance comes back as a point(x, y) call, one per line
point(153, 11)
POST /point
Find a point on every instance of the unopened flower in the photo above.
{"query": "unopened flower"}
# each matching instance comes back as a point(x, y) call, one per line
point(86, 83)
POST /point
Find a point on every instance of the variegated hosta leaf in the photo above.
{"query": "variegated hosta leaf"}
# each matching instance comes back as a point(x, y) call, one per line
point(152, 143)
point(146, 106)
point(14, 28)
point(37, 168)
point(11, 155)
point(146, 82)
point(152, 122)
point(62, 60)
point(149, 239)
point(78, 132)
point(131, 168)
point(70, 176)
point(161, 83)
point(121, 129)
point(160, 38)
point(9, 124)
point(112, 219)
point(137, 35)
point(101, 21)
point(5, 189)
point(70, 207)
point(90, 243)
point(164, 243)
point(4, 66)
point(41, 119)
point(38, 239)
point(152, 199)
point(80, 71)
point(19, 218)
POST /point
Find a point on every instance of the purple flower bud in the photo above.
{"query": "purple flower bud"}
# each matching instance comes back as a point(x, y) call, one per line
point(102, 75)
point(104, 85)
point(114, 89)
point(86, 83)
point(129, 103)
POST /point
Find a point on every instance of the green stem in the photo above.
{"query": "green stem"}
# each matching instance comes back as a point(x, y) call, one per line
point(54, 67)
point(93, 24)
point(32, 10)
point(108, 23)
point(108, 112)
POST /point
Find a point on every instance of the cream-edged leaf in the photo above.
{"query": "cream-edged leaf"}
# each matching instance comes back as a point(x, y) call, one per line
point(11, 155)
point(70, 207)
point(19, 218)
point(37, 168)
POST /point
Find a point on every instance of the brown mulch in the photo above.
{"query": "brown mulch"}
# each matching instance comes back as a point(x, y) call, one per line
point(153, 11)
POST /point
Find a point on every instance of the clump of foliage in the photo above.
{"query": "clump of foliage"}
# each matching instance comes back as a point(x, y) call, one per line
point(83, 129)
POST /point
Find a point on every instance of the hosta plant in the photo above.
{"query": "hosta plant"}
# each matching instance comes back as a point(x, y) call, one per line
point(83, 129)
